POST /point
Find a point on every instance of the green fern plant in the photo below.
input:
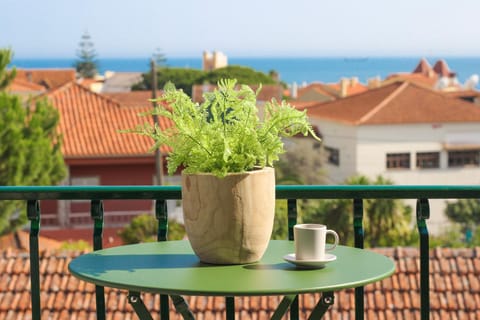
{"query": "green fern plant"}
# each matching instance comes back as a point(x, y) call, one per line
point(223, 134)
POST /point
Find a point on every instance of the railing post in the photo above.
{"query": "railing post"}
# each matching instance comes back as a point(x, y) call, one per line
point(96, 212)
point(292, 214)
point(359, 243)
point(33, 214)
point(161, 213)
point(423, 212)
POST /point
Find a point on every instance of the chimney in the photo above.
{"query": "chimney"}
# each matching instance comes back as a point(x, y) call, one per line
point(343, 87)
point(374, 82)
point(294, 91)
point(353, 81)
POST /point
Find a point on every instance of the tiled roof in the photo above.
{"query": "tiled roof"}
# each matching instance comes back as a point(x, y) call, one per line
point(132, 98)
point(90, 124)
point(454, 291)
point(19, 85)
point(427, 81)
point(48, 78)
point(441, 68)
point(397, 103)
point(423, 67)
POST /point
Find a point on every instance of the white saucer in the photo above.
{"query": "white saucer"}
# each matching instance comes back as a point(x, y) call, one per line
point(310, 263)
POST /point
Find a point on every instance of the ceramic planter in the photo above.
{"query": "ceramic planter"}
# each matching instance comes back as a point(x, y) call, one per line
point(229, 220)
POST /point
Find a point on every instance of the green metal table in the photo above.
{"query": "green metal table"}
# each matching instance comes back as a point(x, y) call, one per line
point(171, 268)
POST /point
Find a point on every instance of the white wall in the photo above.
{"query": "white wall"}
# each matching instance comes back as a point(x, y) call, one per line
point(363, 151)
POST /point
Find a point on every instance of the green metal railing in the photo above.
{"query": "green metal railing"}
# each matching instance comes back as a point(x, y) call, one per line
point(291, 194)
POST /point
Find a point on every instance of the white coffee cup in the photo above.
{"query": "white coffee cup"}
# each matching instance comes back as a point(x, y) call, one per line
point(310, 241)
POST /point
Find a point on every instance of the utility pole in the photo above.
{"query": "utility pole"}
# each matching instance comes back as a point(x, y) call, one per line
point(158, 152)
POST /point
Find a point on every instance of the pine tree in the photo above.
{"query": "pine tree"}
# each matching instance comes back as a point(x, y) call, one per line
point(29, 149)
point(6, 77)
point(86, 65)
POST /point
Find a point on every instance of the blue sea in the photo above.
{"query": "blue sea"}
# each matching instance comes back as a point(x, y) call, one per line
point(299, 70)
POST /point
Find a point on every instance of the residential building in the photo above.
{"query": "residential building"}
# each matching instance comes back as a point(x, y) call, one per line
point(215, 60)
point(97, 153)
point(404, 132)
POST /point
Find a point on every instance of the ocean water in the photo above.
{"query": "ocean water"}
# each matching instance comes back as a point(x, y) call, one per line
point(299, 70)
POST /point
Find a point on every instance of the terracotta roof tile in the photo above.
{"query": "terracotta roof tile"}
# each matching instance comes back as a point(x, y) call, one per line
point(455, 292)
point(423, 67)
point(48, 78)
point(398, 103)
point(132, 98)
point(90, 124)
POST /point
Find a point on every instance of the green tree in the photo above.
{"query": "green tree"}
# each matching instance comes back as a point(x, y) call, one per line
point(6, 76)
point(386, 221)
point(86, 64)
point(159, 58)
point(143, 228)
point(243, 75)
point(29, 152)
point(185, 78)
point(465, 212)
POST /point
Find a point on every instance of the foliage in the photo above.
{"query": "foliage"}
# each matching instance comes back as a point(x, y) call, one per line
point(144, 228)
point(223, 134)
point(185, 78)
point(465, 212)
point(159, 58)
point(386, 221)
point(280, 225)
point(243, 75)
point(300, 164)
point(76, 245)
point(181, 77)
point(86, 64)
point(30, 152)
point(6, 77)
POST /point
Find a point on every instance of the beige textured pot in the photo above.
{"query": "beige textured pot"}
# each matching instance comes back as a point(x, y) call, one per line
point(229, 220)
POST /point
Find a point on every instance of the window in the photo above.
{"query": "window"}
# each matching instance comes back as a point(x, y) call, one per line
point(398, 160)
point(333, 155)
point(428, 160)
point(464, 158)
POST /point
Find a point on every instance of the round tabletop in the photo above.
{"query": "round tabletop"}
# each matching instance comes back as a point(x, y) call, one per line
point(171, 267)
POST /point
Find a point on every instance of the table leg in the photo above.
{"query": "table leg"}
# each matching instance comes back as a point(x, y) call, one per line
point(182, 307)
point(322, 306)
point(283, 307)
point(138, 305)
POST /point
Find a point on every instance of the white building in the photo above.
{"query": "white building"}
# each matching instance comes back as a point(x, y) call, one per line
point(406, 133)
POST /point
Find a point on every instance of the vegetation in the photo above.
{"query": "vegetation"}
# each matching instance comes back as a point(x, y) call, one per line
point(386, 221)
point(465, 213)
point(6, 76)
point(86, 64)
point(144, 228)
point(223, 134)
point(29, 150)
point(184, 79)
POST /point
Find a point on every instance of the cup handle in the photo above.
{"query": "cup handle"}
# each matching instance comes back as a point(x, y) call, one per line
point(332, 245)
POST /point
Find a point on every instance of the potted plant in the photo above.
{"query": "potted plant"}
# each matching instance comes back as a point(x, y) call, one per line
point(226, 155)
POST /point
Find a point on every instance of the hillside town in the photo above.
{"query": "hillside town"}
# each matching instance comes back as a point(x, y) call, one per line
point(420, 127)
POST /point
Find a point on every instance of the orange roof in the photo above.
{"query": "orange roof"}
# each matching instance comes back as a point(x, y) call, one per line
point(454, 291)
point(397, 103)
point(441, 68)
point(428, 81)
point(132, 98)
point(423, 67)
point(48, 78)
point(90, 124)
point(352, 87)
point(19, 85)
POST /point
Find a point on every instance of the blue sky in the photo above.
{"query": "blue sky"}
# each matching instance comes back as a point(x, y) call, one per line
point(247, 28)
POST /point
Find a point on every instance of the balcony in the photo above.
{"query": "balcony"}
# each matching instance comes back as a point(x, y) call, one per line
point(54, 294)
